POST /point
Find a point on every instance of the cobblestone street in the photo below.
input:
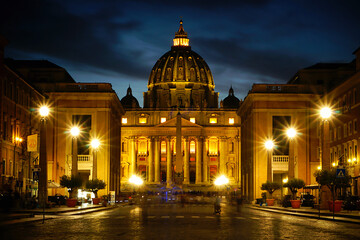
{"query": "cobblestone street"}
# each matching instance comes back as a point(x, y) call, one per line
point(175, 222)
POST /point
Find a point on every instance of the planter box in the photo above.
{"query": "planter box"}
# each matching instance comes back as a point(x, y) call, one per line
point(270, 202)
point(96, 201)
point(295, 203)
point(71, 202)
point(337, 207)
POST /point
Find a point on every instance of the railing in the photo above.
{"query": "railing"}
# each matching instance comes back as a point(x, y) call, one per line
point(280, 158)
point(84, 158)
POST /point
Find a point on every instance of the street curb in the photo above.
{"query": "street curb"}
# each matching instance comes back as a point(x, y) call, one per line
point(307, 215)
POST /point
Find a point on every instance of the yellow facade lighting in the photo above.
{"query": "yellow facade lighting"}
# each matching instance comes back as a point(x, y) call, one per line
point(222, 180)
point(192, 120)
point(124, 120)
point(163, 119)
point(231, 121)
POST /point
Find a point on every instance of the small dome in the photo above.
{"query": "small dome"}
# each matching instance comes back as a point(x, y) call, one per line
point(231, 101)
point(129, 101)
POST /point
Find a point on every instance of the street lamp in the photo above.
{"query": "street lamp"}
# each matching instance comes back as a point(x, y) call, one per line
point(325, 114)
point(74, 131)
point(291, 133)
point(95, 144)
point(269, 145)
point(44, 113)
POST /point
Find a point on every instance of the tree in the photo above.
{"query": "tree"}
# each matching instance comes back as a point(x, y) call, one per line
point(330, 179)
point(294, 185)
point(71, 183)
point(95, 185)
point(270, 187)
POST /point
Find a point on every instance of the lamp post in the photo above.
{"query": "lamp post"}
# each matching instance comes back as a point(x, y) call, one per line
point(74, 131)
point(17, 141)
point(291, 133)
point(95, 144)
point(44, 113)
point(325, 114)
point(269, 145)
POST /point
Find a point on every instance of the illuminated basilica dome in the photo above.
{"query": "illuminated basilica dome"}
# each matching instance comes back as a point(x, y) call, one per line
point(181, 78)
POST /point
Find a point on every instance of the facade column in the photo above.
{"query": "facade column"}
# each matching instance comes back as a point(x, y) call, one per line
point(168, 162)
point(132, 156)
point(151, 161)
point(157, 160)
point(186, 160)
point(205, 163)
point(199, 144)
point(223, 154)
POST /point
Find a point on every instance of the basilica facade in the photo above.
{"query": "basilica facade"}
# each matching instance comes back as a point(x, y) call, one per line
point(181, 103)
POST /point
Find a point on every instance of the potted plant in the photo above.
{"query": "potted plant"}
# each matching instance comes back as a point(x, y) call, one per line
point(94, 186)
point(294, 185)
point(72, 184)
point(270, 187)
point(329, 178)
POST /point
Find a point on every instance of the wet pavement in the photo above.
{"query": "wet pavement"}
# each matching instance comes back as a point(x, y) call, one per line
point(171, 221)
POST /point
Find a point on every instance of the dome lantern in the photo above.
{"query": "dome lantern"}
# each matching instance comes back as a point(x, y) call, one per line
point(181, 39)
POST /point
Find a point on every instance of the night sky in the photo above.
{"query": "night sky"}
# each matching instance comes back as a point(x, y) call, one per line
point(243, 42)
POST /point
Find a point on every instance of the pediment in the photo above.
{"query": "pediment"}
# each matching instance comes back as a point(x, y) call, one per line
point(172, 123)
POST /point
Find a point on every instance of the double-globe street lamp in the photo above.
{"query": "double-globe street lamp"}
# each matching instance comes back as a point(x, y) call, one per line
point(74, 131)
point(325, 114)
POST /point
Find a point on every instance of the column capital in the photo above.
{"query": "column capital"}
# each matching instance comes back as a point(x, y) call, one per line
point(223, 138)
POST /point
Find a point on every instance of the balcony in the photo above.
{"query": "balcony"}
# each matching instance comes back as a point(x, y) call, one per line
point(280, 163)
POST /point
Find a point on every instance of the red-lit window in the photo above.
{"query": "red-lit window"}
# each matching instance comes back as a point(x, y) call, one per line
point(192, 159)
point(213, 171)
point(213, 159)
point(163, 159)
point(141, 159)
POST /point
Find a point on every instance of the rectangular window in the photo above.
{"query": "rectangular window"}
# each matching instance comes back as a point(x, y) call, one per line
point(124, 121)
point(278, 133)
point(213, 159)
point(192, 120)
point(213, 120)
point(355, 126)
point(231, 121)
point(350, 128)
point(142, 120)
point(345, 130)
point(335, 130)
point(163, 119)
point(192, 159)
point(83, 139)
point(163, 147)
point(192, 147)
point(163, 159)
point(339, 132)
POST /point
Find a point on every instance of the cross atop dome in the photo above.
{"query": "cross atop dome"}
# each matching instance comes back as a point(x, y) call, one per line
point(181, 39)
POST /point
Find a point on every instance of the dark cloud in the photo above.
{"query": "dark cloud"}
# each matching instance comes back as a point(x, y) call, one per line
point(275, 64)
point(47, 27)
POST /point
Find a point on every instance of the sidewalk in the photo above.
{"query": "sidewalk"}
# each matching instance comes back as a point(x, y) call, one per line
point(25, 215)
point(343, 216)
